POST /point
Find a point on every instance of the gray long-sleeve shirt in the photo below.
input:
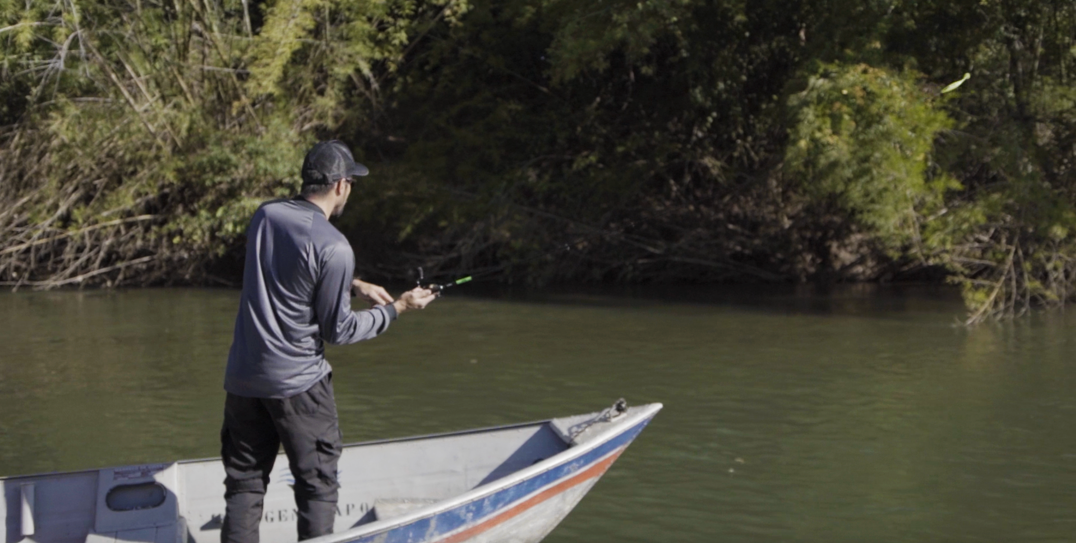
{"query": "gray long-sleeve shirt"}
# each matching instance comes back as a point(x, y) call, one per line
point(296, 296)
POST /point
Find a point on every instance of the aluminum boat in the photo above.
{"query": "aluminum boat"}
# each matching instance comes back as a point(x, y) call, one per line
point(505, 484)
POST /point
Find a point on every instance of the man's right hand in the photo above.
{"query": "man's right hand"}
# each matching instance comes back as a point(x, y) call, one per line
point(416, 298)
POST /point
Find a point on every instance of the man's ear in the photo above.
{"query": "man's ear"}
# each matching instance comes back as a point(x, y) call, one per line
point(339, 188)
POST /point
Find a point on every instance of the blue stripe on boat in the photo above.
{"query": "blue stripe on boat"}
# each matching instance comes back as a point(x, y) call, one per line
point(475, 512)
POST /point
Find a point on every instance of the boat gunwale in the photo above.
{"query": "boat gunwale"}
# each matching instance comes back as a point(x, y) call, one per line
point(345, 446)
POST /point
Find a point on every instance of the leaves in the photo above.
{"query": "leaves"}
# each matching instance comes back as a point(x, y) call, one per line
point(287, 24)
point(171, 112)
point(864, 136)
point(663, 140)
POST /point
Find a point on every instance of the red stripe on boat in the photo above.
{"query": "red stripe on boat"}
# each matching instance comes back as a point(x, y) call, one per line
point(593, 471)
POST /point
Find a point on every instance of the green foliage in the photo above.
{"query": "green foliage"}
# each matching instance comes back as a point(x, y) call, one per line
point(230, 177)
point(716, 140)
point(287, 23)
point(1006, 238)
point(587, 35)
point(609, 127)
point(148, 133)
point(863, 136)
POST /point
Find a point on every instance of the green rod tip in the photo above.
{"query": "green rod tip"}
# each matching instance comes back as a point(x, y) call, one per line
point(463, 280)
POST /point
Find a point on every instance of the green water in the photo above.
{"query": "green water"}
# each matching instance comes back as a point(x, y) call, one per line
point(855, 416)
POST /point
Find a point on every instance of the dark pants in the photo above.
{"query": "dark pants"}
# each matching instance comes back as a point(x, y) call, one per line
point(254, 428)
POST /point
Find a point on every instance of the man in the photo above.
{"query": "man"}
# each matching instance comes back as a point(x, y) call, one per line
point(296, 297)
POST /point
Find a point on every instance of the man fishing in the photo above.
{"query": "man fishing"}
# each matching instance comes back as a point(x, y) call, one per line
point(297, 287)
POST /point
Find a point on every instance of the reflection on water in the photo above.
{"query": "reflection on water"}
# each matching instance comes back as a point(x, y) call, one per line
point(852, 415)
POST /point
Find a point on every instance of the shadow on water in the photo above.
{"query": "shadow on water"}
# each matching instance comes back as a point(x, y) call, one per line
point(868, 300)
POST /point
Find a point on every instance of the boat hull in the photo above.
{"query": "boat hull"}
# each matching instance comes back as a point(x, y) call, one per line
point(507, 484)
point(524, 511)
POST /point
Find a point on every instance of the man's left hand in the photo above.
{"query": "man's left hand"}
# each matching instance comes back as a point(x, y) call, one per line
point(370, 292)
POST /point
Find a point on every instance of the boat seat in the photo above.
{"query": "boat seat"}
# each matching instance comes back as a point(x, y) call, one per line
point(137, 504)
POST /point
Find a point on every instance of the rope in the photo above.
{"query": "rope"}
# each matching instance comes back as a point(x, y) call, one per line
point(609, 413)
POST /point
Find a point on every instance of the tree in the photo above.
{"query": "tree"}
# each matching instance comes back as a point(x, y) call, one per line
point(139, 137)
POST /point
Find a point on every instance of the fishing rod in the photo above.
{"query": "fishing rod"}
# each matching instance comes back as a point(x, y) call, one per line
point(438, 287)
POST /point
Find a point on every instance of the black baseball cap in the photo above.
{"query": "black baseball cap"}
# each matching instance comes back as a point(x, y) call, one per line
point(328, 162)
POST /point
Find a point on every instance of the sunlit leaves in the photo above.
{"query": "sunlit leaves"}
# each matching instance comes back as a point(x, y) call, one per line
point(182, 112)
point(287, 23)
point(864, 136)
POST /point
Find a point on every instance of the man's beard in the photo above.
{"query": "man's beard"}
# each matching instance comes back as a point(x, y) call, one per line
point(339, 209)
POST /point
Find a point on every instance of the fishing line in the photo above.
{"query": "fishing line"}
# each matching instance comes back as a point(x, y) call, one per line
point(438, 287)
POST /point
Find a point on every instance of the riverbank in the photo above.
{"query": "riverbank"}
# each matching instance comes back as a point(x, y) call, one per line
point(685, 142)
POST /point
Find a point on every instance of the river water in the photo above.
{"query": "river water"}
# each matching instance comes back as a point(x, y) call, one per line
point(852, 416)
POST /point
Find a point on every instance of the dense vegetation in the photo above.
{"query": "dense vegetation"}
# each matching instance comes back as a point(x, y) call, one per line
point(661, 140)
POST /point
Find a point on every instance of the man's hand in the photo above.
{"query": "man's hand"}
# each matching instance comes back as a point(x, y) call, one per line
point(416, 298)
point(370, 292)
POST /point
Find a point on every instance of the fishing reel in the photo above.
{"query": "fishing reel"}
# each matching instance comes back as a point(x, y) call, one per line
point(420, 277)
